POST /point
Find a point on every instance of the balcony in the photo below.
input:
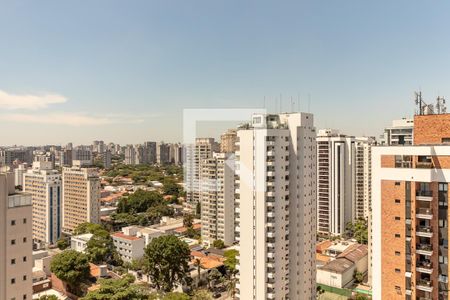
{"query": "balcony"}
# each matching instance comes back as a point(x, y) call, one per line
point(424, 195)
point(271, 173)
point(425, 285)
point(424, 231)
point(424, 213)
point(424, 165)
point(424, 267)
point(424, 249)
point(271, 153)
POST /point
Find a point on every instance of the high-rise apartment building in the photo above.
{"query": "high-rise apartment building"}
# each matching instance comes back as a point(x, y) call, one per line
point(410, 214)
point(44, 186)
point(195, 155)
point(130, 155)
point(162, 153)
point(228, 141)
point(10, 155)
point(276, 207)
point(176, 154)
point(343, 180)
point(151, 150)
point(16, 261)
point(18, 174)
point(81, 193)
point(217, 198)
point(400, 133)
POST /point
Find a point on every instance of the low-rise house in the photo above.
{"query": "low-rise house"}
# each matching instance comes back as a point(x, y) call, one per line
point(128, 244)
point(339, 271)
point(79, 242)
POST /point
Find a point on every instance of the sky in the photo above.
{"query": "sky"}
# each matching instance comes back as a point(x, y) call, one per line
point(124, 71)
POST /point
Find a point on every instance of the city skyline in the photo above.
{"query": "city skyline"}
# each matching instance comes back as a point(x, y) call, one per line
point(126, 73)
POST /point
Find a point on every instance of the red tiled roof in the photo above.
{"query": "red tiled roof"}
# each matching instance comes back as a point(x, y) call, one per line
point(126, 237)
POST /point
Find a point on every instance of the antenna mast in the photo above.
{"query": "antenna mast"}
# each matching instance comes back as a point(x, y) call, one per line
point(440, 105)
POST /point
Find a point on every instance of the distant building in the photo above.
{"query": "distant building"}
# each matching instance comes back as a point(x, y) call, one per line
point(81, 194)
point(228, 141)
point(343, 180)
point(195, 155)
point(18, 174)
point(130, 155)
point(16, 235)
point(400, 133)
point(162, 153)
point(217, 198)
point(150, 148)
point(44, 186)
point(10, 155)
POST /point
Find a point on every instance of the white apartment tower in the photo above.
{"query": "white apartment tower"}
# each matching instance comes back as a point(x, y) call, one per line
point(399, 133)
point(276, 207)
point(16, 262)
point(44, 185)
point(81, 193)
point(217, 198)
point(195, 155)
point(343, 180)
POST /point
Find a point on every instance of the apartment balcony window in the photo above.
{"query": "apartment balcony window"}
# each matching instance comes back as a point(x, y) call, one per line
point(424, 162)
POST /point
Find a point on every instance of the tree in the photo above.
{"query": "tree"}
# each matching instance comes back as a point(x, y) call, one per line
point(176, 296)
point(188, 220)
point(167, 262)
point(357, 230)
point(100, 248)
point(72, 268)
point(214, 278)
point(117, 289)
point(62, 244)
point(358, 276)
point(230, 259)
point(87, 227)
point(198, 265)
point(138, 202)
point(218, 244)
point(202, 295)
point(48, 297)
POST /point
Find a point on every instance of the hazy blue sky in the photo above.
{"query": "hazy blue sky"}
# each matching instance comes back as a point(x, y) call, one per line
point(124, 70)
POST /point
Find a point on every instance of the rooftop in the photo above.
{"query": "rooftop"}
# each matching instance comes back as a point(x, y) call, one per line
point(339, 265)
point(126, 237)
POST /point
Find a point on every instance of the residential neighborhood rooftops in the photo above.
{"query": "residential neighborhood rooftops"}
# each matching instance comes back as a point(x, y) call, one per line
point(339, 265)
point(125, 237)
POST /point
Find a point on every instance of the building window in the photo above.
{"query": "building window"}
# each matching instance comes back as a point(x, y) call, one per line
point(397, 218)
point(13, 280)
point(397, 253)
point(24, 220)
point(397, 270)
point(397, 235)
point(24, 258)
point(397, 201)
point(397, 183)
point(13, 261)
point(13, 242)
point(13, 222)
point(24, 239)
point(24, 277)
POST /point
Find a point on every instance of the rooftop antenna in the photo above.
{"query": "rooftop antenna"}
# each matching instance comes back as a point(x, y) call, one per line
point(420, 104)
point(440, 105)
point(292, 105)
point(298, 99)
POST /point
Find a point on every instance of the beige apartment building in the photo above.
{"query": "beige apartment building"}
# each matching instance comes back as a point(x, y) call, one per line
point(217, 198)
point(15, 241)
point(228, 141)
point(81, 193)
point(410, 214)
point(44, 185)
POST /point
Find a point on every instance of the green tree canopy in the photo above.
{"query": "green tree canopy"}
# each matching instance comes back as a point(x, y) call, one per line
point(88, 228)
point(218, 244)
point(176, 296)
point(202, 295)
point(71, 267)
point(117, 289)
point(230, 259)
point(62, 244)
point(48, 297)
point(167, 259)
point(140, 201)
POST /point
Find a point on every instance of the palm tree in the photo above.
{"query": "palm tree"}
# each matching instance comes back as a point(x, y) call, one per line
point(198, 264)
point(231, 283)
